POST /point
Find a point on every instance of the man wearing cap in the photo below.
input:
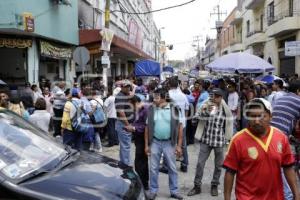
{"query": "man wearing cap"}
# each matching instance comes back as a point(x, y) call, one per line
point(125, 116)
point(215, 127)
point(256, 156)
point(70, 137)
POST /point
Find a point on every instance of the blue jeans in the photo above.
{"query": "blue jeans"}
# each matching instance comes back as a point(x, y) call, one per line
point(157, 149)
point(125, 143)
point(73, 139)
point(288, 195)
point(185, 160)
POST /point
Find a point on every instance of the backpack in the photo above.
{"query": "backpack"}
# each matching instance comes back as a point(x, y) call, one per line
point(99, 115)
point(81, 121)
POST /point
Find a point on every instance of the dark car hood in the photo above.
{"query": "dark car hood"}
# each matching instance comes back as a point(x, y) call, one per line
point(90, 177)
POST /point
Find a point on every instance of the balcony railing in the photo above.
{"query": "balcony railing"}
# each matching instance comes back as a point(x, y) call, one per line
point(253, 33)
point(282, 15)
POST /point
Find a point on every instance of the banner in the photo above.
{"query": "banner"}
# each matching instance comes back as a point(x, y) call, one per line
point(15, 43)
point(49, 50)
point(107, 37)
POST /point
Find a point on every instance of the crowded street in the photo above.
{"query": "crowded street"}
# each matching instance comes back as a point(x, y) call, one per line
point(149, 99)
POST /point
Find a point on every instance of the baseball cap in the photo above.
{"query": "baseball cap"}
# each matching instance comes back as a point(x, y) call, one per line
point(125, 83)
point(267, 105)
point(75, 92)
point(217, 91)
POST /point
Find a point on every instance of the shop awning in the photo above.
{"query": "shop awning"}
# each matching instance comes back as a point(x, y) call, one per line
point(90, 38)
point(147, 68)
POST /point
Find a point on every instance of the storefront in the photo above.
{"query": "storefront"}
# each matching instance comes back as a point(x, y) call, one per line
point(13, 56)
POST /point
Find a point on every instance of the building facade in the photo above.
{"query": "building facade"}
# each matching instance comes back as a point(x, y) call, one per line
point(36, 40)
point(135, 35)
point(263, 27)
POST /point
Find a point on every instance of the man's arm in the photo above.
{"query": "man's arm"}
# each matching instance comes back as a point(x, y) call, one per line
point(122, 117)
point(146, 138)
point(178, 149)
point(290, 176)
point(228, 184)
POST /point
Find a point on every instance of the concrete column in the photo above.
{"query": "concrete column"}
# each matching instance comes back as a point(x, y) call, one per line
point(61, 69)
point(118, 67)
point(126, 69)
point(33, 63)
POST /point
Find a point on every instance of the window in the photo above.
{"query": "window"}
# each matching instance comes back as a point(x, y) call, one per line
point(262, 22)
point(271, 14)
point(248, 27)
point(291, 8)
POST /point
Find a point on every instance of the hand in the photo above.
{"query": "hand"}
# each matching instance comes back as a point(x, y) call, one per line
point(129, 128)
point(147, 150)
point(178, 151)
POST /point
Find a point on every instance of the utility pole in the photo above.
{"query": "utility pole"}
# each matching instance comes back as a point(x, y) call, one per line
point(219, 25)
point(106, 53)
point(197, 40)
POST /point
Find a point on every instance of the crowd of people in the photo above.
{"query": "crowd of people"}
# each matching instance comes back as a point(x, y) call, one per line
point(164, 118)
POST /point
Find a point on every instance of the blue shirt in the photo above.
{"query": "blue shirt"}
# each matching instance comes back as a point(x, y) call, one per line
point(203, 97)
point(162, 123)
point(285, 113)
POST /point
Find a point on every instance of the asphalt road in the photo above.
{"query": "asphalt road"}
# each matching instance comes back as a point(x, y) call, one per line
point(185, 179)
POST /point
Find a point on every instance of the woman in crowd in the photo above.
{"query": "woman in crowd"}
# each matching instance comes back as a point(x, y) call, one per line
point(41, 117)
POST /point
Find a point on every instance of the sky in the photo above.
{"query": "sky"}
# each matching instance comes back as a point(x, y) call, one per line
point(182, 24)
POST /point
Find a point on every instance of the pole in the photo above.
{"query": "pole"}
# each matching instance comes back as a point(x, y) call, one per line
point(105, 53)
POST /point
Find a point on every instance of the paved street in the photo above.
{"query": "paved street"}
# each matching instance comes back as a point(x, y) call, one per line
point(185, 179)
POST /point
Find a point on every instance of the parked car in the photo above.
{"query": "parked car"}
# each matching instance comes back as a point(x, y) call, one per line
point(34, 166)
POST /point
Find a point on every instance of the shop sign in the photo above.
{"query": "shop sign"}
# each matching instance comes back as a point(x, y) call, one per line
point(105, 60)
point(53, 51)
point(292, 48)
point(15, 43)
point(28, 21)
point(107, 37)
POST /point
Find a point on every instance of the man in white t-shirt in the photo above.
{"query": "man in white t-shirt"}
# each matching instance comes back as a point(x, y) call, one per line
point(233, 103)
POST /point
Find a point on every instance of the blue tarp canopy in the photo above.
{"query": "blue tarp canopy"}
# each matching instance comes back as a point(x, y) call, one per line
point(168, 69)
point(147, 68)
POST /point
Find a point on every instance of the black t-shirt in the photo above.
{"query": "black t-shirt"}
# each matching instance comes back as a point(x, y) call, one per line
point(123, 103)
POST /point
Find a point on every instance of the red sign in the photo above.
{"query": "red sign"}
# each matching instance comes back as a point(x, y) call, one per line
point(29, 24)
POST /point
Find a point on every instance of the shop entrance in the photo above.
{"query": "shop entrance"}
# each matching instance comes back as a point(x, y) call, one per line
point(13, 65)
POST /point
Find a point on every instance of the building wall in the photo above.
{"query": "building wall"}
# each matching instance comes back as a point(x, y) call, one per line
point(228, 33)
point(48, 18)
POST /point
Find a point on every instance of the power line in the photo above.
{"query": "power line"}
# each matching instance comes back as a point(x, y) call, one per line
point(153, 11)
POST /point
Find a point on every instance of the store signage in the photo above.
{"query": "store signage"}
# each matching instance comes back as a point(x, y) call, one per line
point(15, 43)
point(53, 51)
point(105, 60)
point(107, 37)
point(292, 48)
point(28, 21)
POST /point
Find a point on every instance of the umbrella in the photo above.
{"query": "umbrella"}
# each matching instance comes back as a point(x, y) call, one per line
point(240, 62)
point(268, 78)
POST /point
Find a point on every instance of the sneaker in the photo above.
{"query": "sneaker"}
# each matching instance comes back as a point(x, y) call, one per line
point(214, 190)
point(91, 147)
point(194, 191)
point(151, 196)
point(176, 196)
point(183, 168)
point(98, 150)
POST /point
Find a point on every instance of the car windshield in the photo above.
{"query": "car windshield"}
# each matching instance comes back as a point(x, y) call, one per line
point(24, 148)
